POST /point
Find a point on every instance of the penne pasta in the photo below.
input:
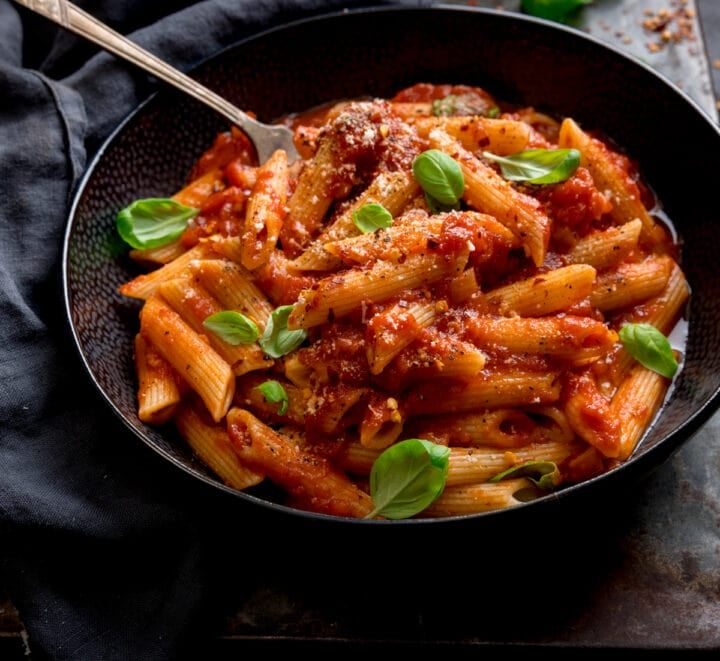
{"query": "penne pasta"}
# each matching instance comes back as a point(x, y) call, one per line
point(233, 287)
point(393, 190)
point(158, 390)
point(609, 177)
point(194, 360)
point(336, 296)
point(488, 192)
point(194, 304)
point(211, 443)
point(605, 248)
point(312, 480)
point(502, 136)
point(545, 293)
point(502, 388)
point(399, 297)
point(265, 211)
point(574, 339)
point(480, 497)
point(144, 285)
point(630, 284)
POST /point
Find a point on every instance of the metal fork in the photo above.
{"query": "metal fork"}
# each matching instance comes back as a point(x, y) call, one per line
point(266, 138)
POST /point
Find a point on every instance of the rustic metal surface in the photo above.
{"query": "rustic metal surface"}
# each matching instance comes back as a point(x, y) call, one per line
point(641, 573)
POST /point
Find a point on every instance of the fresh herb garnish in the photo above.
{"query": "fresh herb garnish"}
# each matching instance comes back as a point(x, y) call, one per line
point(650, 347)
point(153, 222)
point(371, 217)
point(462, 104)
point(544, 474)
point(553, 10)
point(407, 477)
point(277, 340)
point(275, 393)
point(538, 166)
point(441, 178)
point(232, 327)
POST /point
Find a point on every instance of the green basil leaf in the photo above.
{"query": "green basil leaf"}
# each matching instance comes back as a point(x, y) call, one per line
point(277, 340)
point(462, 104)
point(232, 327)
point(153, 222)
point(275, 393)
point(650, 347)
point(553, 10)
point(538, 166)
point(407, 477)
point(371, 217)
point(544, 474)
point(440, 176)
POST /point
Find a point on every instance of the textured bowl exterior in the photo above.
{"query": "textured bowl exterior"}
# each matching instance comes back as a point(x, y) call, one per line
point(375, 53)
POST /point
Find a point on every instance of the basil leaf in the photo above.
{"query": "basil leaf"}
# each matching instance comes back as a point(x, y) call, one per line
point(440, 176)
point(462, 104)
point(407, 477)
point(274, 393)
point(544, 474)
point(553, 10)
point(277, 340)
point(232, 327)
point(650, 347)
point(538, 166)
point(153, 222)
point(371, 217)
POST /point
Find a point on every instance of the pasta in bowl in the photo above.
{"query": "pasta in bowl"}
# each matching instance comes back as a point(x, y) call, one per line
point(453, 305)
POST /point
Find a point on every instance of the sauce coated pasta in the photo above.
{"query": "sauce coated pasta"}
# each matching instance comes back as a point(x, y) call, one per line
point(447, 299)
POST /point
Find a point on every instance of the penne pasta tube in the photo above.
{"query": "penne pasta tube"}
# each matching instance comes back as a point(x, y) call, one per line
point(545, 293)
point(630, 284)
point(337, 295)
point(194, 304)
point(635, 404)
point(390, 331)
point(496, 389)
point(265, 211)
point(504, 428)
point(501, 136)
point(194, 360)
point(606, 248)
point(577, 340)
point(613, 180)
point(144, 285)
point(310, 479)
point(393, 190)
point(211, 443)
point(663, 312)
point(409, 234)
point(332, 408)
point(589, 414)
point(382, 422)
point(200, 188)
point(158, 392)
point(469, 465)
point(233, 287)
point(483, 497)
point(487, 192)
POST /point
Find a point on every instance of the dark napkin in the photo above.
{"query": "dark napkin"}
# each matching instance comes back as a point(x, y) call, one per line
point(109, 553)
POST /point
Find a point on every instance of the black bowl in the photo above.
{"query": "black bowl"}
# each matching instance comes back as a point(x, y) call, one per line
point(377, 52)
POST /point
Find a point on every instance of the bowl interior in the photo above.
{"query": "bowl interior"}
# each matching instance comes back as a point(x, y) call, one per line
point(377, 52)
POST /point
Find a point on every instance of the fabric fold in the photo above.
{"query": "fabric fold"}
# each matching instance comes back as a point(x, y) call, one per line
point(109, 551)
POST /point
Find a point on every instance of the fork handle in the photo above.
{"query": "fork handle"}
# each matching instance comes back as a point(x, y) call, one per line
point(73, 18)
